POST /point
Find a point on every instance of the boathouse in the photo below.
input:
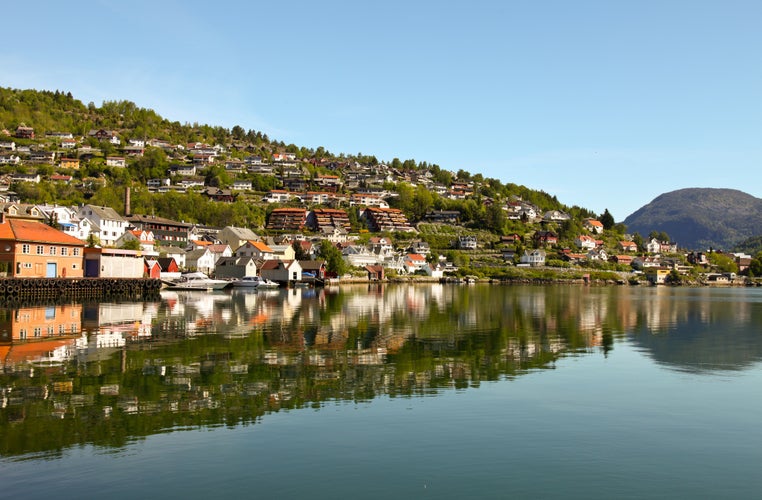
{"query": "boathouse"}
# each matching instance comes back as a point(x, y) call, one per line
point(113, 263)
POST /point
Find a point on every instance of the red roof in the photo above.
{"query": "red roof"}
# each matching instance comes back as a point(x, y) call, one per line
point(260, 246)
point(275, 264)
point(32, 231)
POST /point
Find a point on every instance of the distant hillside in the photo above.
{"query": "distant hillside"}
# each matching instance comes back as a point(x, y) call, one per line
point(699, 218)
point(751, 246)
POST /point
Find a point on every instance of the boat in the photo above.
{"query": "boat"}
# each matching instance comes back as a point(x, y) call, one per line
point(255, 282)
point(196, 281)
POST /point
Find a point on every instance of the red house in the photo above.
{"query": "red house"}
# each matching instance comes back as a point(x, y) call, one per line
point(152, 269)
point(168, 265)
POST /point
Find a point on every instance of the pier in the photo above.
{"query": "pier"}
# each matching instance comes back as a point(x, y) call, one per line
point(33, 289)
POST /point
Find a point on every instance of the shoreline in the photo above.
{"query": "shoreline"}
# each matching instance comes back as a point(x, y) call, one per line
point(737, 283)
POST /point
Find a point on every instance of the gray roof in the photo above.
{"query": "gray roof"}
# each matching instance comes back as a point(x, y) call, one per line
point(171, 250)
point(242, 233)
point(104, 213)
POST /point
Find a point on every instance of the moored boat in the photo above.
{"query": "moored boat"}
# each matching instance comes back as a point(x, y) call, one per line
point(196, 281)
point(255, 282)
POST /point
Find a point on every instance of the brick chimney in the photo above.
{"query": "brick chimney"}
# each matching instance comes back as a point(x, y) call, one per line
point(127, 207)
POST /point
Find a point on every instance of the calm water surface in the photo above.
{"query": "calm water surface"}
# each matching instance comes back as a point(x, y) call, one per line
point(407, 391)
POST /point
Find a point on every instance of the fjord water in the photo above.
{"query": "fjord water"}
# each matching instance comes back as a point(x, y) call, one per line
point(440, 391)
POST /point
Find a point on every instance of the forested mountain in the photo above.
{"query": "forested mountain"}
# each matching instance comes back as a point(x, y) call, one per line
point(701, 218)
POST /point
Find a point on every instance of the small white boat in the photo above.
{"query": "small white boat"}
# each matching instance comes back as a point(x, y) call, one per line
point(196, 281)
point(255, 282)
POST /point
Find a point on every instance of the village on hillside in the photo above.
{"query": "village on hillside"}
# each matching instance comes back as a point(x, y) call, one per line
point(325, 225)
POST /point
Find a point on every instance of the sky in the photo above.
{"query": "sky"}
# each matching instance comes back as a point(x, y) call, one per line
point(604, 104)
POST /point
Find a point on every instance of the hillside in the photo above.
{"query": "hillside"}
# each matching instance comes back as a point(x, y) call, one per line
point(217, 158)
point(700, 218)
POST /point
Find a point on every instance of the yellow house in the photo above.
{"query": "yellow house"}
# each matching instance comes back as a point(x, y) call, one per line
point(70, 163)
point(657, 275)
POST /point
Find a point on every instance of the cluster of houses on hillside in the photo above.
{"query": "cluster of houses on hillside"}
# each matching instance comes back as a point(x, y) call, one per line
point(350, 186)
point(350, 183)
point(90, 240)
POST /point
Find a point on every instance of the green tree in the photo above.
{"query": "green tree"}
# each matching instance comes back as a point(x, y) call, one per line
point(299, 253)
point(722, 262)
point(238, 133)
point(404, 200)
point(334, 261)
point(658, 236)
point(755, 268)
point(495, 219)
point(607, 219)
point(674, 277)
point(638, 240)
point(152, 165)
point(131, 245)
point(423, 200)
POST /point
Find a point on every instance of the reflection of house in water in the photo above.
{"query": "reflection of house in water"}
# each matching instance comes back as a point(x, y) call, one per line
point(107, 322)
point(38, 334)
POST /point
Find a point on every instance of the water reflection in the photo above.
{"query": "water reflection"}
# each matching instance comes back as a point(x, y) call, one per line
point(110, 373)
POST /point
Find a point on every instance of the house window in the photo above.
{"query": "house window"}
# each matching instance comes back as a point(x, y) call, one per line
point(64, 251)
point(76, 252)
point(25, 248)
point(51, 330)
point(73, 266)
point(40, 250)
point(37, 331)
point(52, 250)
point(73, 328)
point(22, 334)
point(61, 329)
point(27, 265)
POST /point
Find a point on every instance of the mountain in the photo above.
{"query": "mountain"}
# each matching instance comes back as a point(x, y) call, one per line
point(700, 218)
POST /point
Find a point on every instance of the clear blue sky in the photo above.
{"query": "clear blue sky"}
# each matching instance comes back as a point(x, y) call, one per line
point(605, 104)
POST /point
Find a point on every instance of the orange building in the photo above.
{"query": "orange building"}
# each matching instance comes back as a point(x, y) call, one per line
point(38, 333)
point(40, 322)
point(31, 249)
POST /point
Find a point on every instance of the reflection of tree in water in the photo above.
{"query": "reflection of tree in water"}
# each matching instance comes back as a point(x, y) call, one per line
point(262, 353)
point(697, 332)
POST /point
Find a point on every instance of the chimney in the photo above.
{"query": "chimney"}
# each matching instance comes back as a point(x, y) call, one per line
point(127, 208)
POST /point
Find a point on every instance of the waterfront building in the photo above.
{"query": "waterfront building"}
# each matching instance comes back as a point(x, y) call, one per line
point(32, 249)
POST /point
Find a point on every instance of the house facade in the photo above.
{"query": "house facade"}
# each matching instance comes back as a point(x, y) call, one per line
point(414, 262)
point(165, 231)
point(255, 249)
point(281, 271)
point(592, 225)
point(545, 238)
point(534, 258)
point(113, 263)
point(35, 250)
point(235, 267)
point(200, 260)
point(584, 241)
point(236, 236)
point(107, 225)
